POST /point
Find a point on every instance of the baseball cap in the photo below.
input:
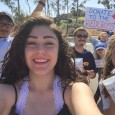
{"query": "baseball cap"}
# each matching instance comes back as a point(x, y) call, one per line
point(2, 13)
point(99, 46)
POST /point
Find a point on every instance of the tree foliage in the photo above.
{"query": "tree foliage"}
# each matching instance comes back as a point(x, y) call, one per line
point(109, 4)
point(14, 6)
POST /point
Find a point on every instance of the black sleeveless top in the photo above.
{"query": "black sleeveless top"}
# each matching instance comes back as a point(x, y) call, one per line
point(63, 111)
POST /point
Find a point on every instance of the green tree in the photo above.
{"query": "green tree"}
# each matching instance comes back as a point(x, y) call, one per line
point(14, 6)
point(59, 6)
point(109, 4)
point(76, 6)
point(18, 14)
point(56, 6)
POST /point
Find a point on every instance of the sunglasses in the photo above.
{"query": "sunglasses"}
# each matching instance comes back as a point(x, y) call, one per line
point(82, 36)
point(7, 25)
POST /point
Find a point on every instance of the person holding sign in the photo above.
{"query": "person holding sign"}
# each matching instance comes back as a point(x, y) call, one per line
point(108, 80)
point(88, 63)
point(99, 55)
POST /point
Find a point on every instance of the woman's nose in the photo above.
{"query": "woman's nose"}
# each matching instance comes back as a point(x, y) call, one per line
point(41, 49)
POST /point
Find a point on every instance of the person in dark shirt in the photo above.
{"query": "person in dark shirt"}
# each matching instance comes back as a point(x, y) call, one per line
point(80, 38)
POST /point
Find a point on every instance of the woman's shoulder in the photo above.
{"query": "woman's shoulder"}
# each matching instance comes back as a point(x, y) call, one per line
point(78, 92)
point(77, 89)
point(6, 91)
point(6, 88)
point(7, 96)
point(77, 86)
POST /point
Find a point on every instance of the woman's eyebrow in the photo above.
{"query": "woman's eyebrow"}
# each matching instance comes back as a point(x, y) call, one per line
point(45, 37)
point(32, 36)
point(48, 36)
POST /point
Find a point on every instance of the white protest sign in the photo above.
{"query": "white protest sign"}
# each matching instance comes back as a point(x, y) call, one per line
point(110, 86)
point(79, 63)
point(99, 63)
point(98, 18)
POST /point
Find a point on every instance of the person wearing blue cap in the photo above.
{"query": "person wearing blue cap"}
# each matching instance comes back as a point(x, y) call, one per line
point(6, 28)
point(99, 55)
point(99, 46)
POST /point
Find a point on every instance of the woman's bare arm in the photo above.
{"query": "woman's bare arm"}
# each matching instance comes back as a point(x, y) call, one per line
point(7, 98)
point(81, 100)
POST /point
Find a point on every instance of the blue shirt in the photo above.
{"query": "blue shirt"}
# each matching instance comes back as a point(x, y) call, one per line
point(5, 44)
point(95, 41)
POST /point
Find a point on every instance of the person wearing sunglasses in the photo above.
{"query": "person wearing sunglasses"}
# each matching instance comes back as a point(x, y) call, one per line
point(6, 28)
point(80, 39)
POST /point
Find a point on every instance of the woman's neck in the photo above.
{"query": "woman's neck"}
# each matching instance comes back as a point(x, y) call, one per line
point(41, 83)
point(79, 49)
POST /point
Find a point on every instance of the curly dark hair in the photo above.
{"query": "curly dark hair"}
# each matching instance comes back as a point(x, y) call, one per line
point(14, 65)
point(108, 62)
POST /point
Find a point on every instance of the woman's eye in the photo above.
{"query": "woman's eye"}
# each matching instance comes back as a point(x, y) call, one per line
point(49, 43)
point(31, 43)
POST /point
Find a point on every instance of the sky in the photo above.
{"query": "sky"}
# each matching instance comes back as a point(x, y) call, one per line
point(24, 7)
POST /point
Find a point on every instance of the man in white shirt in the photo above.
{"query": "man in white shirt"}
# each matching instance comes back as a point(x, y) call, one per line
point(6, 28)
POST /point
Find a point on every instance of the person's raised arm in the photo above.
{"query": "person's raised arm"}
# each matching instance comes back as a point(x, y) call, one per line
point(39, 7)
point(82, 100)
point(93, 39)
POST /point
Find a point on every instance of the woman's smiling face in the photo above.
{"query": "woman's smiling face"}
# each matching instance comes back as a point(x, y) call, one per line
point(41, 51)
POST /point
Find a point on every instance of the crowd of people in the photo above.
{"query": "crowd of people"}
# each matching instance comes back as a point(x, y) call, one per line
point(39, 74)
